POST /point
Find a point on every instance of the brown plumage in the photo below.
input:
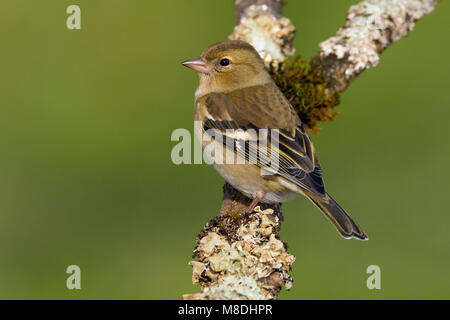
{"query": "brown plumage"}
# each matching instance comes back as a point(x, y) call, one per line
point(236, 96)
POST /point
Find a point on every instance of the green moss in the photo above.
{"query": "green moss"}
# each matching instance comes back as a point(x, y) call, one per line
point(235, 215)
point(307, 88)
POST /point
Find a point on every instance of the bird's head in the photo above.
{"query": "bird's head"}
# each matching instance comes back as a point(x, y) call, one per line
point(227, 66)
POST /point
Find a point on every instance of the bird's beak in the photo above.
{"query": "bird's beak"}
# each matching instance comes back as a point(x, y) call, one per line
point(197, 64)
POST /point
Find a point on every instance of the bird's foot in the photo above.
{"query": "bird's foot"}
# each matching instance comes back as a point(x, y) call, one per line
point(255, 201)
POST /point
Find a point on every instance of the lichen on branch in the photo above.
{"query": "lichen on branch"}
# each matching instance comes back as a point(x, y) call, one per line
point(371, 26)
point(260, 23)
point(241, 257)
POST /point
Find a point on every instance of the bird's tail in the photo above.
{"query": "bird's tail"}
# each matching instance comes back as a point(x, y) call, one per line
point(340, 219)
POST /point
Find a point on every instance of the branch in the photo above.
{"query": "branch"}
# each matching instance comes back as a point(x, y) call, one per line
point(259, 22)
point(314, 87)
point(371, 27)
point(273, 7)
point(241, 256)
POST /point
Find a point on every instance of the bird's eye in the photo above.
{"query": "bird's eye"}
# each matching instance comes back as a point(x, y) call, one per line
point(224, 62)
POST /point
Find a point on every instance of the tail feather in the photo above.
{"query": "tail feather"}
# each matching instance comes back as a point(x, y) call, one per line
point(340, 219)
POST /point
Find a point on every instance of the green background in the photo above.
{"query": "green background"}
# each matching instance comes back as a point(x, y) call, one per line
point(86, 176)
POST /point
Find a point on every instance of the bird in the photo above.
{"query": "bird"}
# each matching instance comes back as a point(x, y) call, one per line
point(236, 97)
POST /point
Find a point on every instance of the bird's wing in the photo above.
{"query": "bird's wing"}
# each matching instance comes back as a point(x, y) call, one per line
point(239, 115)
